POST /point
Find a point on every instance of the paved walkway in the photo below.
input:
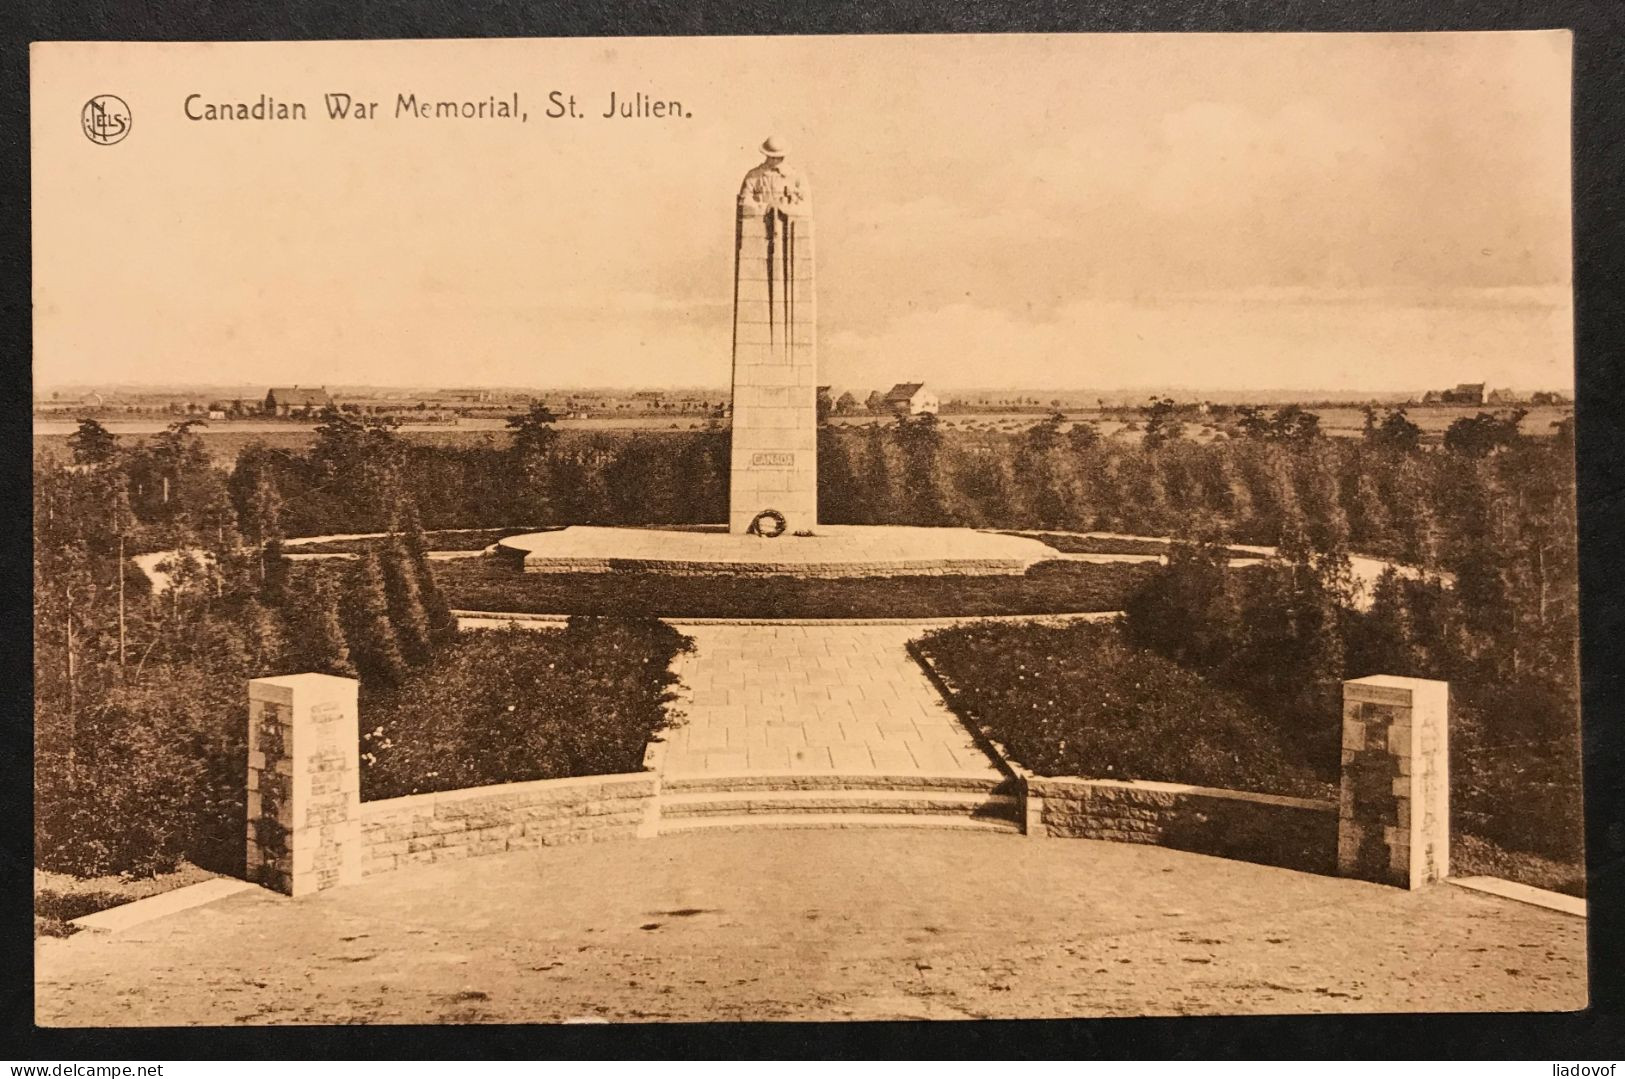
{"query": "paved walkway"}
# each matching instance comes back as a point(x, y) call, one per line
point(819, 925)
point(844, 699)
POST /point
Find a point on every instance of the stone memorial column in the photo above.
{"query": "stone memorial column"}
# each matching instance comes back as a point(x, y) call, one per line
point(1394, 813)
point(304, 783)
point(775, 412)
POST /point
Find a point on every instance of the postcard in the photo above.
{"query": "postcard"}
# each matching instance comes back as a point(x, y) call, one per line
point(804, 528)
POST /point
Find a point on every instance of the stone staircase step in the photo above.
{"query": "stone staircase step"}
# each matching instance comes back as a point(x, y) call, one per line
point(707, 782)
point(838, 820)
point(824, 802)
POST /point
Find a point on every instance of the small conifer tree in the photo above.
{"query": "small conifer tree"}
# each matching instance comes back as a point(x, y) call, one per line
point(323, 648)
point(442, 624)
point(406, 610)
point(374, 647)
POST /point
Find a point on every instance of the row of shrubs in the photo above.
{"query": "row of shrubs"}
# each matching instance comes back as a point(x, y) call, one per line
point(450, 539)
point(1233, 678)
point(1049, 587)
point(1080, 700)
point(510, 705)
point(1072, 543)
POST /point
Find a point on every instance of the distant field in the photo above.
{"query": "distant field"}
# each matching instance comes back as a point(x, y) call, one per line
point(1433, 419)
point(483, 425)
point(225, 439)
point(222, 445)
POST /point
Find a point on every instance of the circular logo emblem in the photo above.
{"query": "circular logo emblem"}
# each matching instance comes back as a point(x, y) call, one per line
point(105, 119)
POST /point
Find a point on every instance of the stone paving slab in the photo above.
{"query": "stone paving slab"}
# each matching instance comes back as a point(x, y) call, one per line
point(819, 925)
point(126, 915)
point(1523, 893)
point(813, 699)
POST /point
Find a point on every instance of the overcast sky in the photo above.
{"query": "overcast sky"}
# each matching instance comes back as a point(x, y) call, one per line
point(1366, 212)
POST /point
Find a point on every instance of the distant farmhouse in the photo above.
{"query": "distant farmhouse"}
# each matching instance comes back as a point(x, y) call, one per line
point(286, 400)
point(909, 399)
point(1465, 393)
point(472, 396)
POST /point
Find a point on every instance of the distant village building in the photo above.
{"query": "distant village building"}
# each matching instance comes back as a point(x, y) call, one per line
point(1465, 393)
point(910, 399)
point(1502, 397)
point(473, 396)
point(217, 413)
point(284, 400)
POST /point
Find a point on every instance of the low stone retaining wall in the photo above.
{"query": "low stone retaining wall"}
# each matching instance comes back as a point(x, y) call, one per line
point(1294, 833)
point(450, 825)
point(494, 619)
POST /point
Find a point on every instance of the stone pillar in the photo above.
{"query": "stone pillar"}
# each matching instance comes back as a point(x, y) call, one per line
point(775, 411)
point(304, 783)
point(1394, 813)
point(1030, 797)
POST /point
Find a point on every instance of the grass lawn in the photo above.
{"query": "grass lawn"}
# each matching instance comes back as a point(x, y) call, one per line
point(59, 897)
point(1047, 588)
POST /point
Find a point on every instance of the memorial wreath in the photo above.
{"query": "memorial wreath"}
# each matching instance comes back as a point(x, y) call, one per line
point(775, 520)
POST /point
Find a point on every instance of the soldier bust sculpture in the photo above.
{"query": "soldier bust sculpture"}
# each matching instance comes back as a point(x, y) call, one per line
point(775, 185)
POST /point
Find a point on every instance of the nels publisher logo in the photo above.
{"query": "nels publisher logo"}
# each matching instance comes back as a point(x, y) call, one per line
point(105, 119)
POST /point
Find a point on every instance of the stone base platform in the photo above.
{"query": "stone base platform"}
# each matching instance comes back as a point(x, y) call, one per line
point(835, 551)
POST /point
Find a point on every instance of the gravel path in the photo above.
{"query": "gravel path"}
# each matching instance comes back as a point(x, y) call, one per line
point(820, 925)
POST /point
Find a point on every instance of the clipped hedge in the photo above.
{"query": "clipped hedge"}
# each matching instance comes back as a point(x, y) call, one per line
point(510, 705)
point(443, 540)
point(1078, 700)
point(1073, 543)
point(1047, 588)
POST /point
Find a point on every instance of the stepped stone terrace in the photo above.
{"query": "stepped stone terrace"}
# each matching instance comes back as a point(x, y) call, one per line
point(833, 551)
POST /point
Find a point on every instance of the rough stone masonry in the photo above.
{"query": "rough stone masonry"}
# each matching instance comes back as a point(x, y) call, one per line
point(775, 422)
point(1394, 810)
point(304, 783)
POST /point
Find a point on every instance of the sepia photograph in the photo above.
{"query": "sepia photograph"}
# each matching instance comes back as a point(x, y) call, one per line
point(713, 529)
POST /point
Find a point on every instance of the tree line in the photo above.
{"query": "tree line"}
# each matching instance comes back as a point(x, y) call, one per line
point(140, 715)
point(139, 694)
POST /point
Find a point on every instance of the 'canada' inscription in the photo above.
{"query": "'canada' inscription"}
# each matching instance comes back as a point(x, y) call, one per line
point(772, 460)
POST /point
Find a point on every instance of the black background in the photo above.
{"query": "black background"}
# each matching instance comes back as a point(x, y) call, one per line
point(1599, 215)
